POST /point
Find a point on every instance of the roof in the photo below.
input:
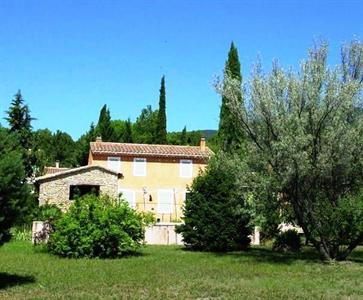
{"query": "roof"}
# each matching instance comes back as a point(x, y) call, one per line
point(128, 149)
point(53, 170)
point(75, 170)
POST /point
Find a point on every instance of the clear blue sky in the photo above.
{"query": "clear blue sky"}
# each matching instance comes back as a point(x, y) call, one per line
point(71, 57)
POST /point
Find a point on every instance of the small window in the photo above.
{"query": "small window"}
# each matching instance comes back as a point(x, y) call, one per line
point(165, 201)
point(139, 166)
point(76, 191)
point(114, 163)
point(129, 196)
point(186, 168)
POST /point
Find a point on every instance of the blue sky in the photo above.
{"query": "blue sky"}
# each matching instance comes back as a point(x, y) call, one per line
point(71, 57)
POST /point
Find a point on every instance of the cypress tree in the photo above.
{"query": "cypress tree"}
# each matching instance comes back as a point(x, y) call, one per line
point(230, 136)
point(183, 136)
point(160, 136)
point(104, 126)
point(128, 132)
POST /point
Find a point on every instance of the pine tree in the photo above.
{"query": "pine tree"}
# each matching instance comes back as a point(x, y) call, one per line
point(128, 132)
point(19, 120)
point(104, 126)
point(229, 134)
point(160, 136)
point(19, 114)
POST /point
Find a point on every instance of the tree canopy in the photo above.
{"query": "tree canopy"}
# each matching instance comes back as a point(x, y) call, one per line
point(306, 144)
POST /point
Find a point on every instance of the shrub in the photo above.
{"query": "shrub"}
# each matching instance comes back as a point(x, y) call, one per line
point(48, 212)
point(288, 240)
point(216, 216)
point(98, 226)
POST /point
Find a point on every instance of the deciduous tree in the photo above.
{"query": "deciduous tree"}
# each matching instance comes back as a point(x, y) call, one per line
point(306, 144)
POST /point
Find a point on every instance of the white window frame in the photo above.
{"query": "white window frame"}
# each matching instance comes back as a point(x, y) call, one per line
point(138, 161)
point(131, 202)
point(182, 164)
point(163, 207)
point(114, 159)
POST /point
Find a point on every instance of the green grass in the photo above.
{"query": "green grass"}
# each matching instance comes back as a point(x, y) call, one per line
point(168, 272)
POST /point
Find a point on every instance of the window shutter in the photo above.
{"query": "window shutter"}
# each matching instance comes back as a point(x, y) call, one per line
point(129, 196)
point(139, 166)
point(186, 168)
point(165, 201)
point(114, 164)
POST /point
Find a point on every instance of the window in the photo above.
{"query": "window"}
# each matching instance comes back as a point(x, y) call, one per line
point(139, 166)
point(129, 196)
point(76, 191)
point(114, 163)
point(186, 168)
point(165, 201)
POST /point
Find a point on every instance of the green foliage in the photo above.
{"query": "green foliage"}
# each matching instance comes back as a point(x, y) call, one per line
point(19, 120)
point(144, 128)
point(288, 240)
point(83, 145)
point(127, 137)
point(14, 191)
point(216, 215)
point(160, 135)
point(64, 149)
point(230, 136)
point(122, 131)
point(306, 145)
point(21, 233)
point(104, 127)
point(98, 227)
point(191, 138)
point(48, 212)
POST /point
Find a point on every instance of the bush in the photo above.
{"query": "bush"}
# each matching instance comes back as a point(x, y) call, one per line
point(287, 241)
point(48, 212)
point(216, 216)
point(98, 226)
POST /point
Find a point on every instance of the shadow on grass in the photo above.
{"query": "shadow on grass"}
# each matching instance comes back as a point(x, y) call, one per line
point(266, 255)
point(269, 256)
point(9, 280)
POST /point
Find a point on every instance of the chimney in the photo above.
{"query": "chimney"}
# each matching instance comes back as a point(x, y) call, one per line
point(99, 139)
point(202, 144)
point(57, 164)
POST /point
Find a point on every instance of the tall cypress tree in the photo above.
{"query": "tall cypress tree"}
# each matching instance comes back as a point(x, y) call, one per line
point(230, 136)
point(104, 126)
point(160, 136)
point(127, 136)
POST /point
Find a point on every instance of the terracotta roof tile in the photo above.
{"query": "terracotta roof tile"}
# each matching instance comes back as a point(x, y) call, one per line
point(75, 170)
point(53, 170)
point(150, 150)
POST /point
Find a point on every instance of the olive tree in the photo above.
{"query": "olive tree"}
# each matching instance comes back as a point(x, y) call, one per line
point(306, 142)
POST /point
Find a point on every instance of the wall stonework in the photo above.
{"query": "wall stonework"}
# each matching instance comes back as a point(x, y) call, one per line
point(56, 190)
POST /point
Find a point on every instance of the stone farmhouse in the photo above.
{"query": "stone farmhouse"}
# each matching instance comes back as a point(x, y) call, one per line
point(151, 178)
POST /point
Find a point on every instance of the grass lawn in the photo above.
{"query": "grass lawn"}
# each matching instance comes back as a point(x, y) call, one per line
point(169, 272)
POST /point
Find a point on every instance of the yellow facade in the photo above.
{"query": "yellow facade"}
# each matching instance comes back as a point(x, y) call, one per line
point(162, 189)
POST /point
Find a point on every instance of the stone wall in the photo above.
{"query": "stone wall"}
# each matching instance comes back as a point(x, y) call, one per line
point(56, 190)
